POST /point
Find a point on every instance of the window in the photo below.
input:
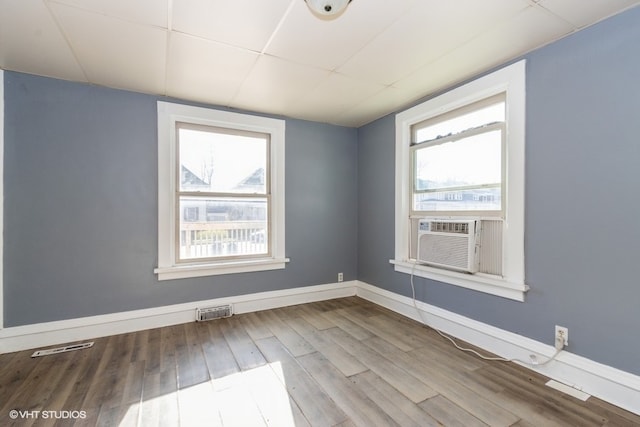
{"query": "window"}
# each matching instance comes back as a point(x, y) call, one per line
point(457, 161)
point(220, 192)
point(224, 172)
point(461, 155)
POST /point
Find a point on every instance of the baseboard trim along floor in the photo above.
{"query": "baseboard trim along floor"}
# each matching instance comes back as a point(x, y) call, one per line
point(575, 372)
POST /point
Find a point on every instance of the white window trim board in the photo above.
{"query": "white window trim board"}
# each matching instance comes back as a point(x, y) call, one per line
point(1, 199)
point(227, 267)
point(477, 282)
point(512, 80)
point(168, 115)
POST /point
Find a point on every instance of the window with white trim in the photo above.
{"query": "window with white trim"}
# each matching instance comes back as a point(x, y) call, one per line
point(460, 156)
point(457, 161)
point(220, 192)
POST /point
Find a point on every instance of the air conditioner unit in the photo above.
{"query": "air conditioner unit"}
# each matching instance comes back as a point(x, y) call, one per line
point(448, 244)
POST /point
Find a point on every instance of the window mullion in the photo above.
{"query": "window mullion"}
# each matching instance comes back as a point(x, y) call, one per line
point(203, 194)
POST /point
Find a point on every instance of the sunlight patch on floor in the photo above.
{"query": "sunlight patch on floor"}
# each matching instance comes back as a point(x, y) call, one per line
point(254, 397)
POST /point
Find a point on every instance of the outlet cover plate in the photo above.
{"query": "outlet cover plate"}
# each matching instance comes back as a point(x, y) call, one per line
point(565, 333)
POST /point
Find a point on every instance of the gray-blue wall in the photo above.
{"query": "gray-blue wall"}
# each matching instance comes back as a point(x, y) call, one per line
point(80, 206)
point(582, 237)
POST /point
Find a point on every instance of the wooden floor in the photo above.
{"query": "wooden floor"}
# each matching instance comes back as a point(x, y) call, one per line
point(343, 362)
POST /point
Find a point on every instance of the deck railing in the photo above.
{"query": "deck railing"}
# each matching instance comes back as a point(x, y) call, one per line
point(219, 239)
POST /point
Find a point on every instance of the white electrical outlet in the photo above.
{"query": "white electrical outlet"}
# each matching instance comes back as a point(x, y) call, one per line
point(340, 277)
point(564, 333)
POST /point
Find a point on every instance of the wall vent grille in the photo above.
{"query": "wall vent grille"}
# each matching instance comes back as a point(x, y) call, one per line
point(72, 347)
point(211, 313)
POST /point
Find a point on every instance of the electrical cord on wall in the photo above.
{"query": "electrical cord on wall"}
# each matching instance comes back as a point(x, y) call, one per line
point(533, 362)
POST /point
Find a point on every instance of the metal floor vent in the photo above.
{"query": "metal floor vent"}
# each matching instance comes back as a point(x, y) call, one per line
point(72, 347)
point(211, 313)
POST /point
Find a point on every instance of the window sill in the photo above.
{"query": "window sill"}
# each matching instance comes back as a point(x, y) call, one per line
point(482, 283)
point(219, 268)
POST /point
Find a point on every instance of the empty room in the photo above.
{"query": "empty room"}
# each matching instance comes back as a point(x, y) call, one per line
point(319, 212)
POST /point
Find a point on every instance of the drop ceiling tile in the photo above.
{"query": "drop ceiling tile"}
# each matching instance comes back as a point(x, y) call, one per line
point(335, 95)
point(114, 52)
point(424, 33)
point(582, 13)
point(31, 42)
point(378, 55)
point(149, 12)
point(306, 39)
point(242, 23)
point(389, 100)
point(274, 85)
point(531, 28)
point(206, 71)
point(308, 110)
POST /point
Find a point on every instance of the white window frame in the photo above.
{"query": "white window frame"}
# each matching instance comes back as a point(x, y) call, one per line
point(168, 115)
point(511, 284)
point(1, 199)
point(458, 136)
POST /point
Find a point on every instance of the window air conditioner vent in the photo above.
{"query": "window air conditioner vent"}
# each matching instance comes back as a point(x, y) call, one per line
point(450, 227)
point(448, 244)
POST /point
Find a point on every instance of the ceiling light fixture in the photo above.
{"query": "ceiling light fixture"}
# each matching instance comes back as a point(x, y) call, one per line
point(327, 9)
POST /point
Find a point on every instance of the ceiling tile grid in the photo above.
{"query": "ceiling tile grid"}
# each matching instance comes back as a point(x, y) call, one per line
point(114, 52)
point(247, 24)
point(277, 57)
point(583, 13)
point(274, 85)
point(335, 95)
point(206, 71)
point(31, 42)
point(329, 43)
point(146, 12)
point(427, 31)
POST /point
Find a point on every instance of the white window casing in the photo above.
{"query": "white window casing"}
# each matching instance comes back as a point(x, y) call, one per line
point(1, 198)
point(168, 115)
point(511, 81)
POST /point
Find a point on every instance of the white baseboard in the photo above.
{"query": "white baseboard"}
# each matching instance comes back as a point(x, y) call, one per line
point(65, 331)
point(612, 385)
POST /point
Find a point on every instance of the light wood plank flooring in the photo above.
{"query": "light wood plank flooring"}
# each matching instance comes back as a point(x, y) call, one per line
point(343, 362)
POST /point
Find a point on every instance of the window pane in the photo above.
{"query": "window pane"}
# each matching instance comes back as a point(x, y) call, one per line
point(485, 199)
point(222, 162)
point(222, 227)
point(490, 114)
point(472, 161)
